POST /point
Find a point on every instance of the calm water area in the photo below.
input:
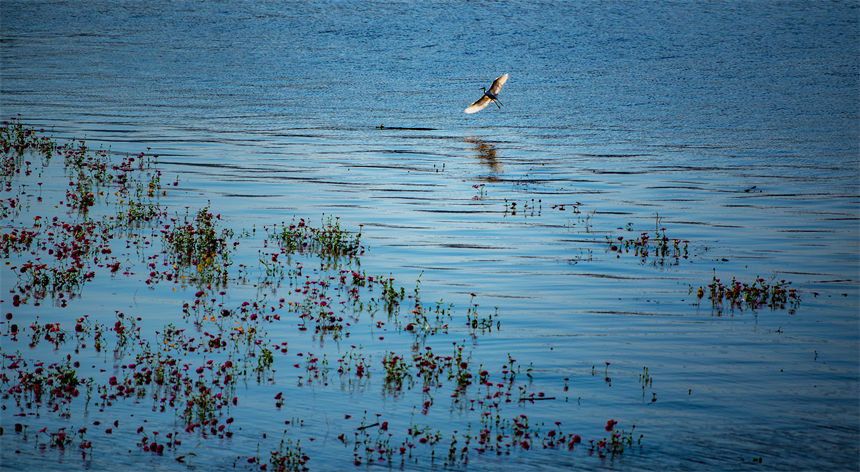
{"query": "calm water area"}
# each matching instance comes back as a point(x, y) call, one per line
point(733, 125)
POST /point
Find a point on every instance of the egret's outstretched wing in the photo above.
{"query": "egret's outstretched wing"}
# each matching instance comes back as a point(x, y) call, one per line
point(497, 84)
point(479, 105)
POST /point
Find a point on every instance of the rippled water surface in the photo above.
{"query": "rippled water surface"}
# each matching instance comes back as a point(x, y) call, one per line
point(733, 125)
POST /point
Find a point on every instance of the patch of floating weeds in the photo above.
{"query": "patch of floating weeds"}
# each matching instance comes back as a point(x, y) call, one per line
point(574, 207)
point(110, 226)
point(606, 378)
point(316, 308)
point(371, 442)
point(657, 247)
point(646, 381)
point(481, 191)
point(528, 208)
point(68, 248)
point(459, 372)
point(264, 363)
point(616, 442)
point(478, 323)
point(736, 295)
point(429, 367)
point(315, 367)
point(391, 296)
point(582, 220)
point(49, 332)
point(427, 321)
point(136, 213)
point(354, 363)
point(396, 372)
point(53, 257)
point(197, 248)
point(288, 457)
point(15, 142)
point(585, 255)
point(534, 208)
point(327, 241)
point(422, 321)
point(35, 385)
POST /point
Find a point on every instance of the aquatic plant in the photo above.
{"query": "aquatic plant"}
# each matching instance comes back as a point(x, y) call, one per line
point(328, 240)
point(396, 371)
point(15, 141)
point(354, 367)
point(109, 225)
point(528, 208)
point(198, 245)
point(740, 295)
point(481, 191)
point(647, 381)
point(478, 323)
point(659, 248)
point(59, 256)
point(288, 457)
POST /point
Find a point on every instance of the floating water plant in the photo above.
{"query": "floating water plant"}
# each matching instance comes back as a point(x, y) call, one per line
point(198, 245)
point(479, 323)
point(658, 248)
point(396, 371)
point(288, 457)
point(328, 240)
point(528, 208)
point(736, 295)
point(647, 381)
point(222, 308)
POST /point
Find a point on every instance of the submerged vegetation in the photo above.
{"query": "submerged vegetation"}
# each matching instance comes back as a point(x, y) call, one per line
point(227, 307)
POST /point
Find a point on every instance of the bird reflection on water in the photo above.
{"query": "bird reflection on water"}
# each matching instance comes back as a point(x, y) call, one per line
point(486, 153)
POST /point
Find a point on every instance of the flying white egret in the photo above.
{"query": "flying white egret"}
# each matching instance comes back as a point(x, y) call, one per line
point(489, 96)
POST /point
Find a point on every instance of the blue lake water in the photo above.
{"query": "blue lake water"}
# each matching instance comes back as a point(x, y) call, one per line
point(733, 125)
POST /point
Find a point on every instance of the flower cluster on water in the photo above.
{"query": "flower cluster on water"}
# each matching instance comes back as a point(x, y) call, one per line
point(111, 225)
